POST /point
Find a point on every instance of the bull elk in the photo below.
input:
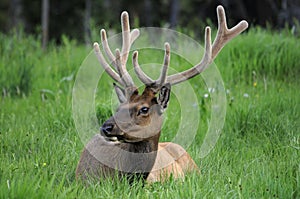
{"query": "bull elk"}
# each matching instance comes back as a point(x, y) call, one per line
point(128, 142)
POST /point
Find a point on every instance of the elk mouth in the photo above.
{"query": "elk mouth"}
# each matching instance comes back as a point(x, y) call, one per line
point(111, 137)
point(118, 138)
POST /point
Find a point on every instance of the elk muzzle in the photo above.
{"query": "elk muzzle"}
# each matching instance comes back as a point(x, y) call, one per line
point(110, 132)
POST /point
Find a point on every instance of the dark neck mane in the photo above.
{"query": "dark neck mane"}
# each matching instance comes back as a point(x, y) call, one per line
point(147, 154)
point(147, 146)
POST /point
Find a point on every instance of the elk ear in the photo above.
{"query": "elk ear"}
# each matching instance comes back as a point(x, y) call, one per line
point(120, 93)
point(164, 96)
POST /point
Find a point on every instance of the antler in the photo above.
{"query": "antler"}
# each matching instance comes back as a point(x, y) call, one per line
point(118, 60)
point(147, 80)
point(224, 35)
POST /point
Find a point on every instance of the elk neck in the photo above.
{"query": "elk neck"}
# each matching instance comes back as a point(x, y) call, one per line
point(144, 146)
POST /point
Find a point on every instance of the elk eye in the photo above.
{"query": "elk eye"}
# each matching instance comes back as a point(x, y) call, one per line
point(144, 110)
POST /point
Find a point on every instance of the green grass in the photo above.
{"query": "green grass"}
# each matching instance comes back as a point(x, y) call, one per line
point(257, 155)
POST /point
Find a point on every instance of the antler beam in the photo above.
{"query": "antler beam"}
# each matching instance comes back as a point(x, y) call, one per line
point(224, 35)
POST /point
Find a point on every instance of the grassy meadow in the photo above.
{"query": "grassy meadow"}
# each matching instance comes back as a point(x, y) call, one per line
point(256, 156)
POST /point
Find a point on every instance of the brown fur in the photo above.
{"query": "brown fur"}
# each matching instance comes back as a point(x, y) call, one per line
point(148, 159)
point(180, 163)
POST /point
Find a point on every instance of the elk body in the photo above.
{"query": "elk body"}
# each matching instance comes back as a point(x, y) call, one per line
point(128, 143)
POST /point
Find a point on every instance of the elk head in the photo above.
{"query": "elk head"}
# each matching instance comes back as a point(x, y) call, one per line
point(139, 117)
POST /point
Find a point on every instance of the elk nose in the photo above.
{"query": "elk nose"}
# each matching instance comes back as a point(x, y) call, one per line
point(107, 129)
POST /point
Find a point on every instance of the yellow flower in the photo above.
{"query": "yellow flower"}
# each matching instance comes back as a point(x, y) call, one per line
point(44, 164)
point(255, 84)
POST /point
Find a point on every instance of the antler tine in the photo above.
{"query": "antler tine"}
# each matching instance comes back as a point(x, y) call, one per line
point(141, 75)
point(125, 77)
point(224, 34)
point(207, 58)
point(106, 48)
point(163, 75)
point(105, 65)
point(125, 36)
point(133, 36)
point(127, 39)
point(135, 33)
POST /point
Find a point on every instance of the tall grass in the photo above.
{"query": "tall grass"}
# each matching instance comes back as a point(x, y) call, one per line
point(17, 62)
point(261, 53)
point(257, 155)
point(25, 68)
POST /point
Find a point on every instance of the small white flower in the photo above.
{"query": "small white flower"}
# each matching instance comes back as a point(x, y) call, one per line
point(227, 91)
point(68, 78)
point(211, 90)
point(8, 184)
point(246, 95)
point(206, 95)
